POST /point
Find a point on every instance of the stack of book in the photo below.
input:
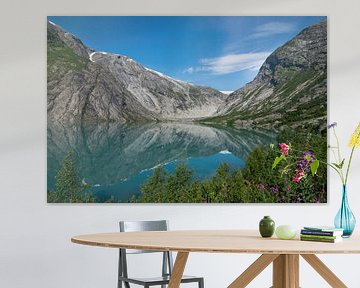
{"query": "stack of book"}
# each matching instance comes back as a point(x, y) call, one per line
point(321, 234)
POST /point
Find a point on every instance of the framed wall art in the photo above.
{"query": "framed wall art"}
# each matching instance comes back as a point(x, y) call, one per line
point(165, 109)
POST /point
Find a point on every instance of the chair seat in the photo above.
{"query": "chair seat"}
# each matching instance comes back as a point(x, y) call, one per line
point(158, 280)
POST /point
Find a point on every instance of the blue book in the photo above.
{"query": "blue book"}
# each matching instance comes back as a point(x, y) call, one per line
point(322, 231)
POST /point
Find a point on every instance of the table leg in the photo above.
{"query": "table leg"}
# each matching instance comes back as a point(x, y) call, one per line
point(253, 270)
point(286, 271)
point(324, 271)
point(178, 269)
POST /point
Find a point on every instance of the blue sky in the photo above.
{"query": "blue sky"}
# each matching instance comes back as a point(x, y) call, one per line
point(221, 52)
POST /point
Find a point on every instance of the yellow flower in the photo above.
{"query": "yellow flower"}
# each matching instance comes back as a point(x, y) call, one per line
point(355, 138)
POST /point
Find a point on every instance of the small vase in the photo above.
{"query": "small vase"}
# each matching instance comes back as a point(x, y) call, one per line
point(345, 219)
point(266, 226)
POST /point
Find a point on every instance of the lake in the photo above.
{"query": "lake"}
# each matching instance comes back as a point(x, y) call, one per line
point(115, 159)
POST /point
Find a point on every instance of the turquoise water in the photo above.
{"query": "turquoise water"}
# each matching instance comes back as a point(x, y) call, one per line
point(203, 167)
point(116, 159)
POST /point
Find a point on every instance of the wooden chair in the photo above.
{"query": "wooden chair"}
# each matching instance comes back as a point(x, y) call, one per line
point(167, 263)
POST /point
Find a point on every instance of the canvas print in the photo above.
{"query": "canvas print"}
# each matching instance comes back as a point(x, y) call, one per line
point(161, 109)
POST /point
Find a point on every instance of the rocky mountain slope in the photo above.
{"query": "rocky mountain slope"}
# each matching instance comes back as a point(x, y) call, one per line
point(85, 85)
point(290, 88)
point(89, 86)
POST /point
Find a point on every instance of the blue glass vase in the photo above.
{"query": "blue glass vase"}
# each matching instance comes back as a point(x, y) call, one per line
point(345, 219)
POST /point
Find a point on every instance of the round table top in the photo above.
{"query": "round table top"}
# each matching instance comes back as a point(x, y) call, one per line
point(220, 241)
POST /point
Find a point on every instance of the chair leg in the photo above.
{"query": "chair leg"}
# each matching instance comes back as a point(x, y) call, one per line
point(165, 266)
point(201, 283)
point(120, 273)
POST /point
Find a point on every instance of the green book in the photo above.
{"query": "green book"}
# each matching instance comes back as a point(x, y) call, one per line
point(319, 236)
point(325, 240)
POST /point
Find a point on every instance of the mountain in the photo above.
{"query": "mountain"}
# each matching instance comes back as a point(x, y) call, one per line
point(89, 86)
point(290, 88)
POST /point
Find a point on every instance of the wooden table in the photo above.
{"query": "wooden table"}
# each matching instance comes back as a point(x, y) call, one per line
point(284, 254)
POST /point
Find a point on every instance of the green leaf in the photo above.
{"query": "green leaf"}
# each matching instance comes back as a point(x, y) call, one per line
point(314, 166)
point(336, 165)
point(277, 161)
point(272, 146)
point(342, 163)
point(307, 157)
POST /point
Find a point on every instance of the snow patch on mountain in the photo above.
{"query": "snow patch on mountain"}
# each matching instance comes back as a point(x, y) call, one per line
point(128, 59)
point(90, 56)
point(93, 53)
point(158, 73)
point(166, 76)
point(227, 92)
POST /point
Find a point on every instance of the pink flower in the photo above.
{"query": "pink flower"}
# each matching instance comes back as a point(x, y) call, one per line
point(284, 148)
point(298, 175)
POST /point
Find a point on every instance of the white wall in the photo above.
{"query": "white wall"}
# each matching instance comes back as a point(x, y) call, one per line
point(35, 248)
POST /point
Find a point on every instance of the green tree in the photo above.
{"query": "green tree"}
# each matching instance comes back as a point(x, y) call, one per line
point(154, 189)
point(179, 183)
point(69, 187)
point(257, 182)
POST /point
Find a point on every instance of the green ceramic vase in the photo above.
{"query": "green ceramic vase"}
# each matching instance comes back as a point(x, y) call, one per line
point(266, 227)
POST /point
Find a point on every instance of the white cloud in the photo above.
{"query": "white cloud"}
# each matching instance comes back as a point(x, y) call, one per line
point(189, 70)
point(230, 63)
point(272, 28)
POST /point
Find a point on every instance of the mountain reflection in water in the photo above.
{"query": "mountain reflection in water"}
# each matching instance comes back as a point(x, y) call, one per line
point(116, 159)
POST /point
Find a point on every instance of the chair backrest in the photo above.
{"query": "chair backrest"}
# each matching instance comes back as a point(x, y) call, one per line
point(134, 226)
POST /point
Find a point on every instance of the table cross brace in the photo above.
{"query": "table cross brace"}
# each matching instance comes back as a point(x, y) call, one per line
point(286, 271)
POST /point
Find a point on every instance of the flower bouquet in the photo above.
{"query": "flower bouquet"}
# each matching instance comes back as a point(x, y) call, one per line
point(303, 164)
